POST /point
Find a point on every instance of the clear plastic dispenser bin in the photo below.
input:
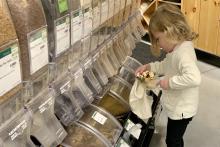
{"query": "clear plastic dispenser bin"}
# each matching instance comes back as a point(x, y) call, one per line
point(30, 24)
point(96, 12)
point(81, 136)
point(58, 22)
point(87, 28)
point(127, 74)
point(129, 39)
point(78, 83)
point(114, 105)
point(118, 50)
point(106, 64)
point(116, 15)
point(98, 71)
point(66, 107)
point(16, 131)
point(127, 11)
point(89, 76)
point(121, 42)
point(121, 88)
point(10, 105)
point(134, 30)
point(142, 31)
point(45, 126)
point(111, 55)
point(132, 63)
point(76, 31)
point(99, 120)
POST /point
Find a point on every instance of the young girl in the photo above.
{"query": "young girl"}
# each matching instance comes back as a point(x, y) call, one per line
point(169, 31)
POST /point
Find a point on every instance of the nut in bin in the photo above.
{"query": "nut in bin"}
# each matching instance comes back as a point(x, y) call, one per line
point(149, 78)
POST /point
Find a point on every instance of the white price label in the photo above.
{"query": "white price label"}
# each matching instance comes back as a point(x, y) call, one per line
point(10, 70)
point(38, 49)
point(76, 26)
point(87, 22)
point(62, 34)
point(99, 117)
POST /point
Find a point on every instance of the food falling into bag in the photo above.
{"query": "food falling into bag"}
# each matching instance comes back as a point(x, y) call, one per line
point(149, 78)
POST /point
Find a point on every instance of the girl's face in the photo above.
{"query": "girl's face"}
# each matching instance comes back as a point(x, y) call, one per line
point(164, 42)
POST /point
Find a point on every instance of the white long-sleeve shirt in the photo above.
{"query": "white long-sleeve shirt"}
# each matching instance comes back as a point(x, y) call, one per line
point(181, 99)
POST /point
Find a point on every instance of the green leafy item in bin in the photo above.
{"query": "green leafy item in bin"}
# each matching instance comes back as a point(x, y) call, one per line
point(62, 5)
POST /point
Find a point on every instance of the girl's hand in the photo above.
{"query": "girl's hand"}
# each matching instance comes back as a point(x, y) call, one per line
point(142, 68)
point(164, 83)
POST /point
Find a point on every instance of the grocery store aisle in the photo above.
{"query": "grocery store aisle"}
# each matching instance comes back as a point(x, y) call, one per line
point(204, 130)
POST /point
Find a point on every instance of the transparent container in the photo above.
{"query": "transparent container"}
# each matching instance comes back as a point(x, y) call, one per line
point(7, 29)
point(86, 44)
point(121, 40)
point(105, 63)
point(127, 74)
point(98, 71)
point(16, 131)
point(75, 5)
point(66, 107)
point(142, 31)
point(132, 63)
point(96, 12)
point(11, 104)
point(59, 67)
point(45, 126)
point(94, 40)
point(89, 76)
point(30, 24)
point(87, 19)
point(80, 136)
point(121, 88)
point(121, 12)
point(134, 30)
point(114, 105)
point(76, 31)
point(118, 50)
point(127, 11)
point(35, 85)
point(79, 82)
point(58, 21)
point(129, 39)
point(115, 23)
point(111, 56)
point(99, 120)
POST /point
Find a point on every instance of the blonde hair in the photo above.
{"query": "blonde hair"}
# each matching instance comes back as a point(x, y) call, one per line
point(170, 20)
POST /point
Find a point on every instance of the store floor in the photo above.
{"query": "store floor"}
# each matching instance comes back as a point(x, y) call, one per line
point(204, 130)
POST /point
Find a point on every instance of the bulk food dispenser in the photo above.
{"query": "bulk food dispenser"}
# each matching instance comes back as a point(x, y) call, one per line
point(10, 62)
point(45, 127)
point(16, 131)
point(58, 21)
point(31, 28)
point(96, 12)
point(76, 31)
point(89, 77)
point(66, 107)
point(11, 99)
point(101, 121)
point(80, 90)
point(80, 136)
